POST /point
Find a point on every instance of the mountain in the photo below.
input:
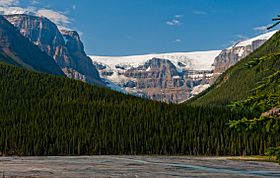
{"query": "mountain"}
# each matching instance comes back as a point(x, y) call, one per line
point(195, 71)
point(18, 50)
point(169, 77)
point(239, 81)
point(79, 60)
point(49, 115)
point(65, 47)
point(240, 50)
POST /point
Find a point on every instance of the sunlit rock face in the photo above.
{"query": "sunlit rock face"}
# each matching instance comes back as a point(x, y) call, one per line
point(174, 77)
point(158, 79)
point(65, 47)
point(18, 50)
point(232, 55)
point(170, 77)
point(79, 60)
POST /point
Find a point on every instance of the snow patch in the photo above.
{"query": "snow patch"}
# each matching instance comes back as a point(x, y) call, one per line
point(265, 36)
point(114, 87)
point(198, 89)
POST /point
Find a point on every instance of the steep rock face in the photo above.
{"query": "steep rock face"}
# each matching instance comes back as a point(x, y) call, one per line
point(70, 55)
point(232, 55)
point(18, 50)
point(43, 33)
point(173, 77)
point(79, 60)
point(160, 73)
point(168, 77)
point(158, 79)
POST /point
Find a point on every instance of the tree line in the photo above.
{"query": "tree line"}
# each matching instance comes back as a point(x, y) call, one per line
point(42, 114)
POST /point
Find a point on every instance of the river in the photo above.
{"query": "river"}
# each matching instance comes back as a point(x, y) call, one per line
point(134, 166)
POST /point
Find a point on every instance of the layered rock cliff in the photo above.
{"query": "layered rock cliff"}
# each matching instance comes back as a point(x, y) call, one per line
point(172, 77)
point(65, 47)
point(79, 60)
point(232, 55)
point(158, 79)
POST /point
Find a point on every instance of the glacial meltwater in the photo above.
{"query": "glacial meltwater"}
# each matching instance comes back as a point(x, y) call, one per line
point(134, 166)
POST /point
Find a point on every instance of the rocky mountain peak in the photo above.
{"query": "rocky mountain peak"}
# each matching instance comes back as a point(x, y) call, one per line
point(230, 56)
point(20, 51)
point(65, 47)
point(72, 40)
point(35, 29)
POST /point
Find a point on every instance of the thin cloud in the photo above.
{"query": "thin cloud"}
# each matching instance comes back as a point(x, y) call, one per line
point(5, 3)
point(200, 13)
point(174, 22)
point(8, 7)
point(178, 16)
point(261, 28)
point(178, 40)
point(241, 37)
point(59, 18)
point(34, 2)
point(17, 10)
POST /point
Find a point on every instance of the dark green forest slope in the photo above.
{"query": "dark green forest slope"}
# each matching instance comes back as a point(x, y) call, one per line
point(238, 82)
point(49, 115)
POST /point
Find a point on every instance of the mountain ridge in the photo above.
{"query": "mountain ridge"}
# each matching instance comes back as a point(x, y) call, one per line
point(197, 70)
point(18, 50)
point(69, 54)
point(230, 56)
point(230, 80)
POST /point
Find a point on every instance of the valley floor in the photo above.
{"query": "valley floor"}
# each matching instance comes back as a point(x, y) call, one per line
point(135, 166)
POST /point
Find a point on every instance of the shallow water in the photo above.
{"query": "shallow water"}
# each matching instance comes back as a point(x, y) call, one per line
point(135, 166)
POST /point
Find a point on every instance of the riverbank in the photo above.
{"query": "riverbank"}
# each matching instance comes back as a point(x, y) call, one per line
point(254, 158)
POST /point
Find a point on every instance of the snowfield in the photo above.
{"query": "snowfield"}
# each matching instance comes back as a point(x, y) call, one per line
point(198, 64)
point(201, 60)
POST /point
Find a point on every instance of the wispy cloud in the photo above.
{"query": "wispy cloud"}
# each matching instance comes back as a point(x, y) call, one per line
point(261, 28)
point(5, 10)
point(176, 21)
point(241, 37)
point(200, 12)
point(57, 17)
point(178, 16)
point(237, 39)
point(34, 2)
point(61, 19)
point(5, 3)
point(178, 40)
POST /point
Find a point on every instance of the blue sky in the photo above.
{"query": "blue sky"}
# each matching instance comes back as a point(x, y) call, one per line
point(126, 27)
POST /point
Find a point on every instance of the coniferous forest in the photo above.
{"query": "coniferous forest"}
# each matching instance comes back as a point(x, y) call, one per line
point(48, 115)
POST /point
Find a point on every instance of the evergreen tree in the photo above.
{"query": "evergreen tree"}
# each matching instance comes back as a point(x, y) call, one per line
point(48, 115)
point(277, 22)
point(262, 109)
